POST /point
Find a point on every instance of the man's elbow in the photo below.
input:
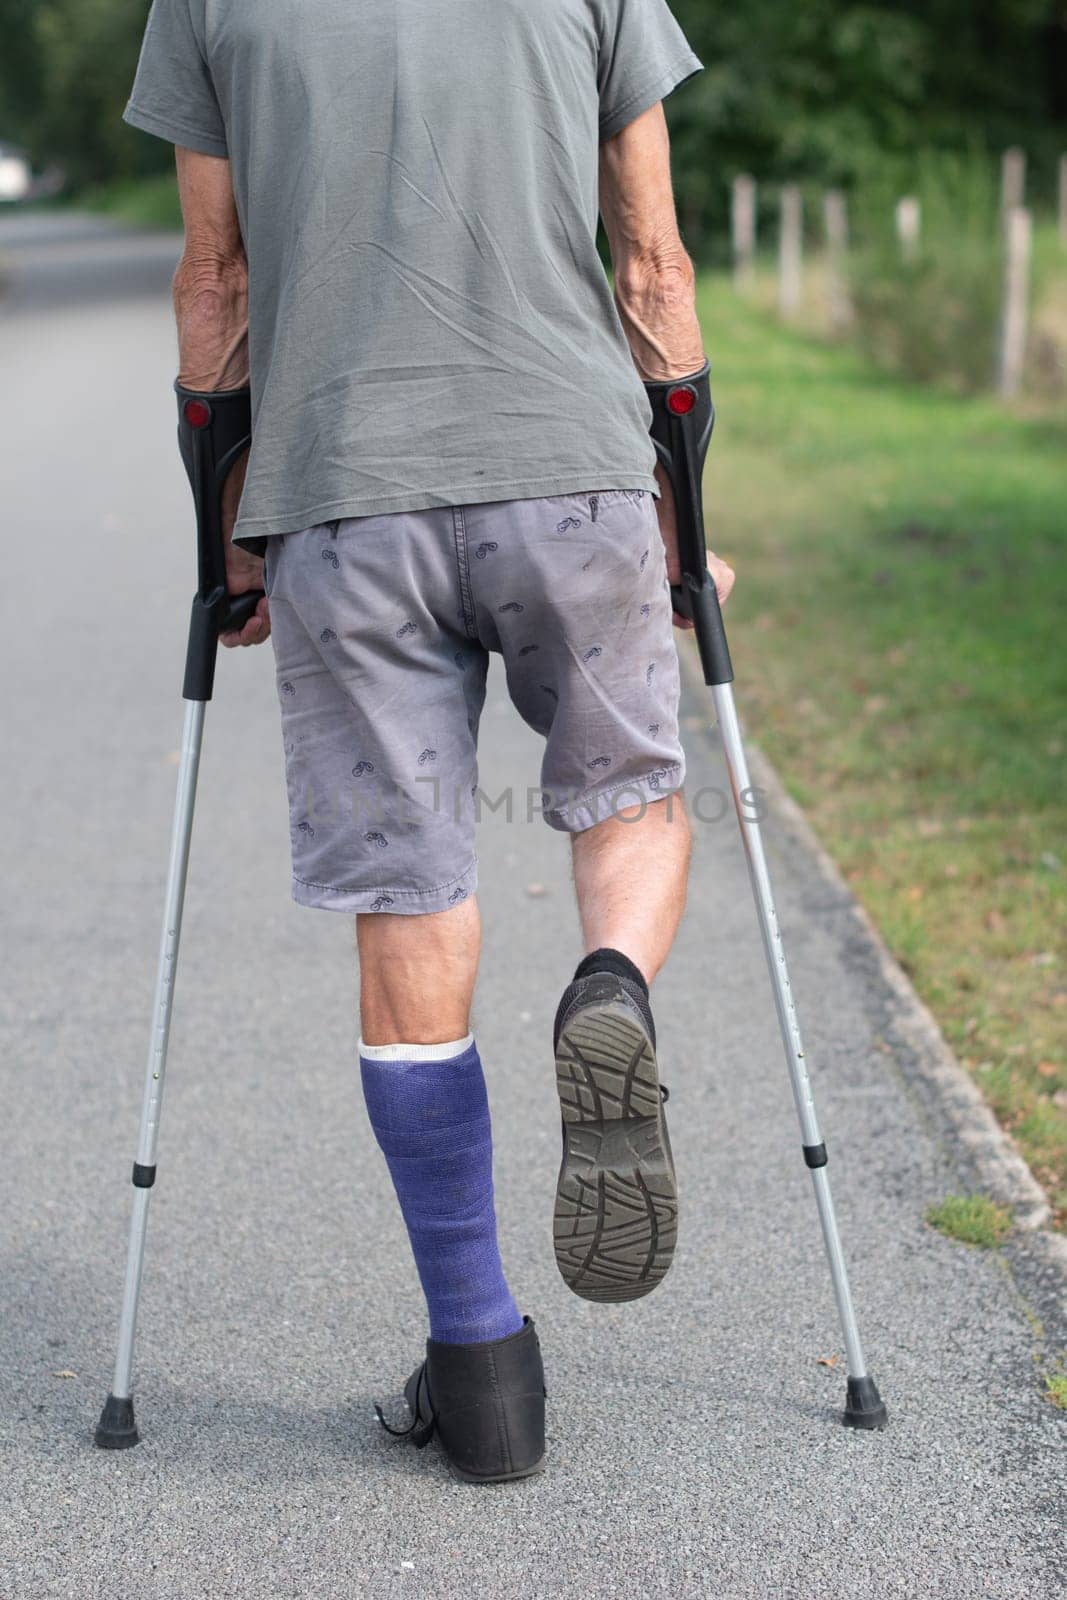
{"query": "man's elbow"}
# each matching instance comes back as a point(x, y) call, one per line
point(210, 285)
point(658, 284)
point(211, 310)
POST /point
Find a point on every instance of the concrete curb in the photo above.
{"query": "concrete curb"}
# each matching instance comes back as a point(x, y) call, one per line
point(989, 1153)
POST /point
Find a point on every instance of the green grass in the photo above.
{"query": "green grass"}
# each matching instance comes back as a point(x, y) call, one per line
point(141, 202)
point(898, 633)
point(1056, 1389)
point(972, 1219)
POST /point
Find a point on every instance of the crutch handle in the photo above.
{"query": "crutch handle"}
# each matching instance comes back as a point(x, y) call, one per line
point(240, 609)
point(699, 601)
point(214, 431)
point(212, 615)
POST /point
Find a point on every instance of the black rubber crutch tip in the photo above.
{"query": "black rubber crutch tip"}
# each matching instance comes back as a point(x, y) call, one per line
point(116, 1429)
point(864, 1407)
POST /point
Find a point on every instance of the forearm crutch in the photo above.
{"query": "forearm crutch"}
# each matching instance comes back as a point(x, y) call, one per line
point(214, 430)
point(682, 420)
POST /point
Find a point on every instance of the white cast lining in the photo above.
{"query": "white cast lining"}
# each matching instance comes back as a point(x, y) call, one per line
point(415, 1052)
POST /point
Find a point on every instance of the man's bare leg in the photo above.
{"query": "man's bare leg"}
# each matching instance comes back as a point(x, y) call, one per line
point(630, 878)
point(616, 1197)
point(417, 974)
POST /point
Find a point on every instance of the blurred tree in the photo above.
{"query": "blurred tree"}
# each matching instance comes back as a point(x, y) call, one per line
point(845, 93)
point(20, 75)
point(836, 91)
point(87, 54)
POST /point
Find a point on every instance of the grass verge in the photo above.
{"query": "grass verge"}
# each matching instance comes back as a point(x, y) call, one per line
point(970, 1218)
point(898, 639)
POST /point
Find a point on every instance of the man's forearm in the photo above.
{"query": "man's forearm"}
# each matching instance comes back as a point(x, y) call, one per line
point(657, 306)
point(211, 308)
point(211, 283)
point(655, 286)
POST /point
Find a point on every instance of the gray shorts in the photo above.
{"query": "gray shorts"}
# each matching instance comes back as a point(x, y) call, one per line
point(382, 628)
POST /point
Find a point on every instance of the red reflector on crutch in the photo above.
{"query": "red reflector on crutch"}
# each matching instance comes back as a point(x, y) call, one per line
point(681, 400)
point(198, 413)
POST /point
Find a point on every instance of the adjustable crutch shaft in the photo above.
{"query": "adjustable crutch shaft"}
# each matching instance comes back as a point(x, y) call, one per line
point(117, 1426)
point(812, 1143)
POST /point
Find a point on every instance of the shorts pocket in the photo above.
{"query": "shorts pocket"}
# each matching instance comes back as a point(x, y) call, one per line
point(591, 504)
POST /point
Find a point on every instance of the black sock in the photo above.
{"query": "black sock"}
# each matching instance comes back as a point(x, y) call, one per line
point(610, 961)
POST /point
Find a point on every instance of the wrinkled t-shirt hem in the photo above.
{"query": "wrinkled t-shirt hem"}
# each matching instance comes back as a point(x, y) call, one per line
point(251, 529)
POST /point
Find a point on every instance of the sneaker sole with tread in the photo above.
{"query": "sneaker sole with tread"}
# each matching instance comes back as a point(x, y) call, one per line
point(616, 1213)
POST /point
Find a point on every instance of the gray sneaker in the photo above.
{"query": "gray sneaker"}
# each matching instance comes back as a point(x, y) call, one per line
point(616, 1218)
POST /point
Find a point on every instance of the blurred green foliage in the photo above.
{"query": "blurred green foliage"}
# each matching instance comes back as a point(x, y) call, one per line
point(934, 315)
point(66, 67)
point(830, 91)
point(87, 53)
point(855, 94)
point(20, 75)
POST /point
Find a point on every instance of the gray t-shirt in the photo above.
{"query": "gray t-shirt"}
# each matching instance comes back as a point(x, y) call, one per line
point(416, 182)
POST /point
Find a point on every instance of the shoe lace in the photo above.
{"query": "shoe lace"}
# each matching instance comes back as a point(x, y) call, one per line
point(420, 1433)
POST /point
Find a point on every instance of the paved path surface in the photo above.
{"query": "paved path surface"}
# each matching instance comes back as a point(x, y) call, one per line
point(695, 1442)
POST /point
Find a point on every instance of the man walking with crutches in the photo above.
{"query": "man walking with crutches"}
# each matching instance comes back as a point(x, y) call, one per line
point(390, 229)
point(390, 233)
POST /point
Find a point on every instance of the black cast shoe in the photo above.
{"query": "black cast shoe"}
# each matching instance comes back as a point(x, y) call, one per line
point(616, 1218)
point(484, 1402)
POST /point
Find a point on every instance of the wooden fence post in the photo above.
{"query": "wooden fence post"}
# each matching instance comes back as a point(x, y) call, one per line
point(909, 221)
point(743, 230)
point(1016, 297)
point(1012, 181)
point(790, 251)
point(835, 219)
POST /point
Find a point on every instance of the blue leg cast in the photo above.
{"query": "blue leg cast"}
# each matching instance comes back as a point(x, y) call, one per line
point(430, 1114)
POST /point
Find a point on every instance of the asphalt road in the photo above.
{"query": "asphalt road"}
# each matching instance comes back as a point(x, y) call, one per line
point(695, 1446)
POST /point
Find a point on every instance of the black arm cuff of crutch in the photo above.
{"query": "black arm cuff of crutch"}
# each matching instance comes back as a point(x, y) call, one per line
point(214, 431)
point(683, 416)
